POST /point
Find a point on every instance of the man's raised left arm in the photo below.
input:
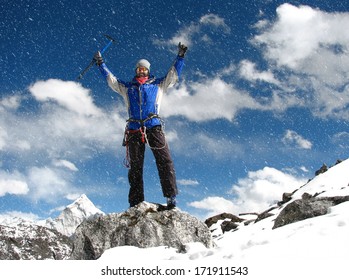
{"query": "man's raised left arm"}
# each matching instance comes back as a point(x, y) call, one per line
point(174, 73)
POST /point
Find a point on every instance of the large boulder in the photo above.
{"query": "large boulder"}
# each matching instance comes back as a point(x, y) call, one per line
point(307, 207)
point(146, 225)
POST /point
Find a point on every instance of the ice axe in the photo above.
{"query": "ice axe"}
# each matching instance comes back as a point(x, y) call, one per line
point(93, 61)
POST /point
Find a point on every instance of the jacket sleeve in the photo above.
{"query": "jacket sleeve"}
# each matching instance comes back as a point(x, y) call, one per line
point(114, 83)
point(173, 75)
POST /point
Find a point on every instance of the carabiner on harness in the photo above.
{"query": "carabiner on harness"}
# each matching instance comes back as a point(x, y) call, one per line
point(141, 130)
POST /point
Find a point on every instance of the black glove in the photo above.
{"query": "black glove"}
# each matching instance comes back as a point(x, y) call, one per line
point(98, 58)
point(182, 49)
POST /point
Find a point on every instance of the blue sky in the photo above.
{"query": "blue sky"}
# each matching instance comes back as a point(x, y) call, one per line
point(261, 104)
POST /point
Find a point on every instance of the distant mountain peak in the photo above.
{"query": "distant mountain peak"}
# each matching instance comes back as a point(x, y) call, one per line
point(81, 207)
point(73, 214)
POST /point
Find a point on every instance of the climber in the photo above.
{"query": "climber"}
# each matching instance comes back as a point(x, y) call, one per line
point(142, 96)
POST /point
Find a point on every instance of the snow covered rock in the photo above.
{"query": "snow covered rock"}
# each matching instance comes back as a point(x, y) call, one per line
point(27, 241)
point(72, 216)
point(307, 207)
point(328, 188)
point(142, 226)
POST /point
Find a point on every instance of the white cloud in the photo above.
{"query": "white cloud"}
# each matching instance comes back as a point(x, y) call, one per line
point(299, 32)
point(306, 51)
point(249, 72)
point(292, 138)
point(203, 144)
point(10, 102)
point(69, 196)
point(207, 100)
point(187, 33)
point(304, 169)
point(217, 146)
point(12, 183)
point(343, 135)
point(3, 136)
point(172, 136)
point(262, 188)
point(330, 102)
point(66, 126)
point(228, 70)
point(215, 20)
point(213, 98)
point(48, 184)
point(341, 139)
point(7, 106)
point(214, 205)
point(309, 48)
point(70, 126)
point(65, 163)
point(187, 182)
point(13, 187)
point(68, 94)
point(255, 193)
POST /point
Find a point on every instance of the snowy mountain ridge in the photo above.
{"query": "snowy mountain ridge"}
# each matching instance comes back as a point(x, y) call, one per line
point(28, 239)
point(76, 212)
point(66, 222)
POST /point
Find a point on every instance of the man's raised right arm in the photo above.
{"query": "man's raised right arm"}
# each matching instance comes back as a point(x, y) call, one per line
point(115, 84)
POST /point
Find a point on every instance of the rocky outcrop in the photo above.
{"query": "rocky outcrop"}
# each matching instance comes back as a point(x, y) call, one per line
point(224, 216)
point(32, 242)
point(228, 221)
point(307, 207)
point(143, 226)
point(322, 169)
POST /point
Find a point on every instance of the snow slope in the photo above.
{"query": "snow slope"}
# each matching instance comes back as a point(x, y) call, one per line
point(324, 237)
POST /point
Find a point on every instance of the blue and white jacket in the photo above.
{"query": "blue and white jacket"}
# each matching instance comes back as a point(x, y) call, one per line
point(143, 100)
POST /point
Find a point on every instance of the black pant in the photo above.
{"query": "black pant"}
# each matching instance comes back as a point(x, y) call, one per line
point(136, 147)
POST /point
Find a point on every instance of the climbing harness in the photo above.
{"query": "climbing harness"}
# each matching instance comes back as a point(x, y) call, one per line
point(144, 138)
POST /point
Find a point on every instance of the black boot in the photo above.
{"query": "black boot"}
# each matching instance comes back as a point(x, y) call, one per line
point(171, 202)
